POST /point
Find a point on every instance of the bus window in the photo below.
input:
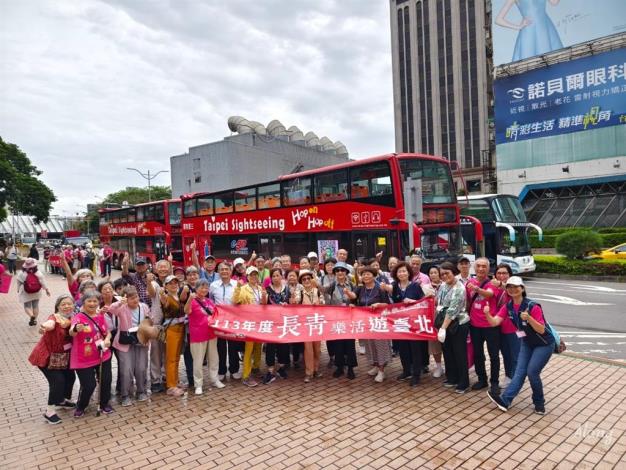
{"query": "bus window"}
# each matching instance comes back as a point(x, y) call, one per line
point(123, 216)
point(224, 203)
point(159, 213)
point(245, 200)
point(371, 181)
point(437, 186)
point(297, 192)
point(269, 196)
point(478, 208)
point(189, 208)
point(331, 186)
point(205, 206)
point(440, 243)
point(139, 211)
point(132, 216)
point(173, 209)
point(116, 217)
point(508, 209)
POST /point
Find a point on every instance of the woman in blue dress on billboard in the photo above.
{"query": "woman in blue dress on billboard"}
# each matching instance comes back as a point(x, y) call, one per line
point(537, 33)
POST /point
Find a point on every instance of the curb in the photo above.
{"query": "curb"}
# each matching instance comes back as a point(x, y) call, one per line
point(579, 277)
point(601, 360)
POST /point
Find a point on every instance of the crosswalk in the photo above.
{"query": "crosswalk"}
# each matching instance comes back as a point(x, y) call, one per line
point(596, 343)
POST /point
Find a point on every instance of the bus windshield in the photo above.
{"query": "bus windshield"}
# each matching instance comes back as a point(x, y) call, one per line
point(440, 242)
point(508, 209)
point(437, 186)
point(520, 247)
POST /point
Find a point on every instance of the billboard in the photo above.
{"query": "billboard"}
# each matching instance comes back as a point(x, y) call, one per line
point(527, 28)
point(572, 96)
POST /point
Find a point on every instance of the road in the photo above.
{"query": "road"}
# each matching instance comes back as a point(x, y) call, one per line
point(590, 316)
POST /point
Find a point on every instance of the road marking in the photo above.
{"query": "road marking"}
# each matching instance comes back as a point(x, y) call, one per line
point(598, 336)
point(582, 286)
point(559, 299)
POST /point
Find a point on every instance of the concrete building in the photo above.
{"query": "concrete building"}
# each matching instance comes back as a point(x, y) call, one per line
point(574, 173)
point(443, 102)
point(253, 155)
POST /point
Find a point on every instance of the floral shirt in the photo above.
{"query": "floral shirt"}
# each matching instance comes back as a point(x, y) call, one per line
point(453, 297)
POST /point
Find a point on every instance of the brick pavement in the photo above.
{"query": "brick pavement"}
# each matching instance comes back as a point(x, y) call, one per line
point(328, 423)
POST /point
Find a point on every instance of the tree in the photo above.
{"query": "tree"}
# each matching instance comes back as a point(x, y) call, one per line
point(133, 195)
point(20, 188)
point(576, 244)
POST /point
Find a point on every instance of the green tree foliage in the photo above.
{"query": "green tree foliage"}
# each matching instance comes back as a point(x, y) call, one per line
point(577, 244)
point(134, 195)
point(20, 188)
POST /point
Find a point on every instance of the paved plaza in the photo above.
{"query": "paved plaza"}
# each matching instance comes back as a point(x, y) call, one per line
point(329, 423)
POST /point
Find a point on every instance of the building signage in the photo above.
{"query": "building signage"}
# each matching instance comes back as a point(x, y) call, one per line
point(138, 229)
point(574, 96)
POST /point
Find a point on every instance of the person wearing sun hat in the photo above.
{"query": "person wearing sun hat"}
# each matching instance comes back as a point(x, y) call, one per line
point(173, 322)
point(251, 293)
point(28, 291)
point(535, 351)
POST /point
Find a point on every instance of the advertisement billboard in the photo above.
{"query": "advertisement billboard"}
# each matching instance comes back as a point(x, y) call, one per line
point(527, 28)
point(572, 96)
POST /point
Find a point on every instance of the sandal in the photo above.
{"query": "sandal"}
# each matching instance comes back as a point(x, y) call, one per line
point(175, 392)
point(307, 379)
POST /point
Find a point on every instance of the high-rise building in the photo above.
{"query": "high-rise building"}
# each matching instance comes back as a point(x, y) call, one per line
point(442, 83)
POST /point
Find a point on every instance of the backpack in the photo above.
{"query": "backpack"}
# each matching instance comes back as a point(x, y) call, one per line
point(559, 345)
point(31, 283)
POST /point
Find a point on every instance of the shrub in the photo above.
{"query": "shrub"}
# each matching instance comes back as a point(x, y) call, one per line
point(577, 244)
point(560, 265)
point(613, 239)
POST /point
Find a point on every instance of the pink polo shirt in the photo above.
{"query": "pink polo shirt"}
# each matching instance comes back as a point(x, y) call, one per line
point(199, 330)
point(477, 316)
point(85, 353)
point(507, 326)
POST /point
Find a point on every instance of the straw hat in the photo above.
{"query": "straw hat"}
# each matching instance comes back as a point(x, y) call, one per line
point(29, 263)
point(148, 331)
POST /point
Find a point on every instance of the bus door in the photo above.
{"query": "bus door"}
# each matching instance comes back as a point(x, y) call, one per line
point(367, 244)
point(270, 245)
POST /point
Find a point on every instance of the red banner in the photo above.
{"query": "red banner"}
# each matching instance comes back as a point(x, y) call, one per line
point(302, 323)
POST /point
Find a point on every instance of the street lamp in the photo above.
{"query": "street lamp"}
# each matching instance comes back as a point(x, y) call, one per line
point(148, 177)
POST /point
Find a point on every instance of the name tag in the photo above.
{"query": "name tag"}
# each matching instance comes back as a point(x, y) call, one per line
point(67, 346)
point(520, 333)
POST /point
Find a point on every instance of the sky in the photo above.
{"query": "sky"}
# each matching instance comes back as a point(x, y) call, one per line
point(93, 87)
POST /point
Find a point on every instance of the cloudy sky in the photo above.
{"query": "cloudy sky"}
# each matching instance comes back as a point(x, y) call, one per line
point(91, 87)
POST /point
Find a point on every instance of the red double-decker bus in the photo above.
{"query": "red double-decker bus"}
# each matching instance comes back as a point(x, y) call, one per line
point(151, 230)
point(358, 206)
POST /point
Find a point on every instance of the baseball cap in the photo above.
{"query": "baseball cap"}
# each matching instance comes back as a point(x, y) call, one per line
point(209, 257)
point(312, 254)
point(140, 260)
point(170, 278)
point(464, 259)
point(515, 281)
point(238, 261)
point(251, 269)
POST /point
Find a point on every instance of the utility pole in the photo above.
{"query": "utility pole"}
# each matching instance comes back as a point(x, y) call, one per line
point(148, 177)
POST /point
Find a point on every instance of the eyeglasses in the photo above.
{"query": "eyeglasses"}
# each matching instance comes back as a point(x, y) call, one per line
point(502, 272)
point(306, 278)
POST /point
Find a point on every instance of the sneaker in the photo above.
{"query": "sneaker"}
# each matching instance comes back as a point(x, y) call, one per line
point(198, 390)
point(479, 385)
point(142, 396)
point(126, 401)
point(415, 381)
point(282, 372)
point(221, 377)
point(497, 400)
point(236, 375)
point(32, 321)
point(449, 384)
point(218, 384)
point(107, 410)
point(338, 373)
point(540, 410)
point(350, 373)
point(317, 374)
point(250, 382)
point(373, 371)
point(268, 378)
point(461, 391)
point(157, 388)
point(438, 372)
point(331, 363)
point(175, 392)
point(506, 382)
point(307, 379)
point(79, 413)
point(67, 404)
point(380, 376)
point(404, 376)
point(54, 419)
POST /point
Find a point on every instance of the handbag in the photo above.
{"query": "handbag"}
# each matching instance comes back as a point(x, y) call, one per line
point(59, 361)
point(129, 337)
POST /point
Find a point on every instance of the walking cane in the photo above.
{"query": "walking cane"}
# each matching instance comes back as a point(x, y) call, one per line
point(100, 381)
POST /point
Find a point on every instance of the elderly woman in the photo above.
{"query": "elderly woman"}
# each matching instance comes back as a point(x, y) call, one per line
point(132, 355)
point(108, 296)
point(30, 283)
point(91, 350)
point(203, 342)
point(536, 348)
point(75, 280)
point(173, 322)
point(370, 294)
point(277, 294)
point(451, 297)
point(51, 355)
